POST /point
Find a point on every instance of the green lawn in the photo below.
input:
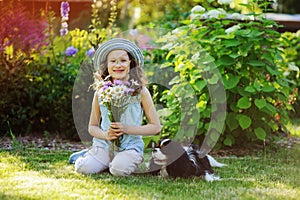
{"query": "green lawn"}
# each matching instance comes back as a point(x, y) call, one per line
point(30, 173)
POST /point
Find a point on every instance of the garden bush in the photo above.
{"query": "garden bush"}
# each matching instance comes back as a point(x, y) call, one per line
point(39, 68)
point(290, 45)
point(210, 51)
point(21, 35)
point(246, 50)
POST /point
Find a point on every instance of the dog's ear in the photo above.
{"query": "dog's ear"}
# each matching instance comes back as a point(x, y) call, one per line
point(164, 142)
point(173, 150)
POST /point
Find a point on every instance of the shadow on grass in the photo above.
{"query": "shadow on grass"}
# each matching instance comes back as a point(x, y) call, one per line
point(272, 175)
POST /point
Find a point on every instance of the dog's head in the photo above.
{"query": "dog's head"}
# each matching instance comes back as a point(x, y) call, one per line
point(166, 152)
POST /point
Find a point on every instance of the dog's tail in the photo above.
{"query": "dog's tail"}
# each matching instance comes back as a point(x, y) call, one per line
point(214, 163)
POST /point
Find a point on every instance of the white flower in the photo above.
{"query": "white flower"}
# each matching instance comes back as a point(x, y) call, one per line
point(232, 29)
point(65, 18)
point(204, 16)
point(197, 9)
point(248, 17)
point(215, 13)
point(236, 16)
point(195, 16)
point(286, 73)
point(133, 82)
point(226, 2)
point(64, 25)
point(117, 89)
point(293, 67)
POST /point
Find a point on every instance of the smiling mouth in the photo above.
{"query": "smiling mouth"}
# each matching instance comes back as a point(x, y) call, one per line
point(118, 70)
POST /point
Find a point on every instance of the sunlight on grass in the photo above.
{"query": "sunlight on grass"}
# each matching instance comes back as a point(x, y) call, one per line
point(294, 127)
point(43, 185)
point(34, 174)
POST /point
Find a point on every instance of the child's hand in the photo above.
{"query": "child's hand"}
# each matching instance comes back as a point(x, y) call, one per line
point(115, 130)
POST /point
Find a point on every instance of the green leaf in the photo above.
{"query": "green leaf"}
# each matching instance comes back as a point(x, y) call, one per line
point(256, 33)
point(232, 122)
point(256, 63)
point(234, 107)
point(231, 43)
point(241, 91)
point(270, 109)
point(245, 49)
point(249, 6)
point(229, 140)
point(244, 121)
point(175, 80)
point(268, 56)
point(234, 55)
point(260, 103)
point(226, 60)
point(230, 81)
point(205, 59)
point(250, 89)
point(260, 133)
point(268, 88)
point(272, 71)
point(244, 103)
point(257, 86)
point(199, 85)
point(213, 80)
point(244, 32)
point(200, 125)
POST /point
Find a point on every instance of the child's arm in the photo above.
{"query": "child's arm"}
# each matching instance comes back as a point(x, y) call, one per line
point(94, 128)
point(153, 127)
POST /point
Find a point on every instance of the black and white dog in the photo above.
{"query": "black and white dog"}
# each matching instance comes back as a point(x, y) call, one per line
point(171, 159)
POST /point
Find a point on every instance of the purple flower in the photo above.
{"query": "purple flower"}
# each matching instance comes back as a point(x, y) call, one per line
point(90, 52)
point(63, 31)
point(104, 88)
point(128, 91)
point(107, 84)
point(127, 83)
point(118, 82)
point(71, 51)
point(64, 9)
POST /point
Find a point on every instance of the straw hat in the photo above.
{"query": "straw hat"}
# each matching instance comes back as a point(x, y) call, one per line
point(117, 44)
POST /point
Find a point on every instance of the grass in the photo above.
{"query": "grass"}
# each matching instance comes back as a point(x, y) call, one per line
point(31, 173)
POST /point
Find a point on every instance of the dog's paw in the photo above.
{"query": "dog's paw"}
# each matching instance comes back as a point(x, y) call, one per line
point(211, 177)
point(214, 163)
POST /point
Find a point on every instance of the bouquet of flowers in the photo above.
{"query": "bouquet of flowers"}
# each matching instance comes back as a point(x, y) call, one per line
point(114, 95)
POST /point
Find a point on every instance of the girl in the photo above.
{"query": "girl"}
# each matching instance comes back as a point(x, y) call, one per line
point(121, 60)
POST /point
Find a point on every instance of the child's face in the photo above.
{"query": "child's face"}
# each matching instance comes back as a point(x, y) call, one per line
point(118, 64)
